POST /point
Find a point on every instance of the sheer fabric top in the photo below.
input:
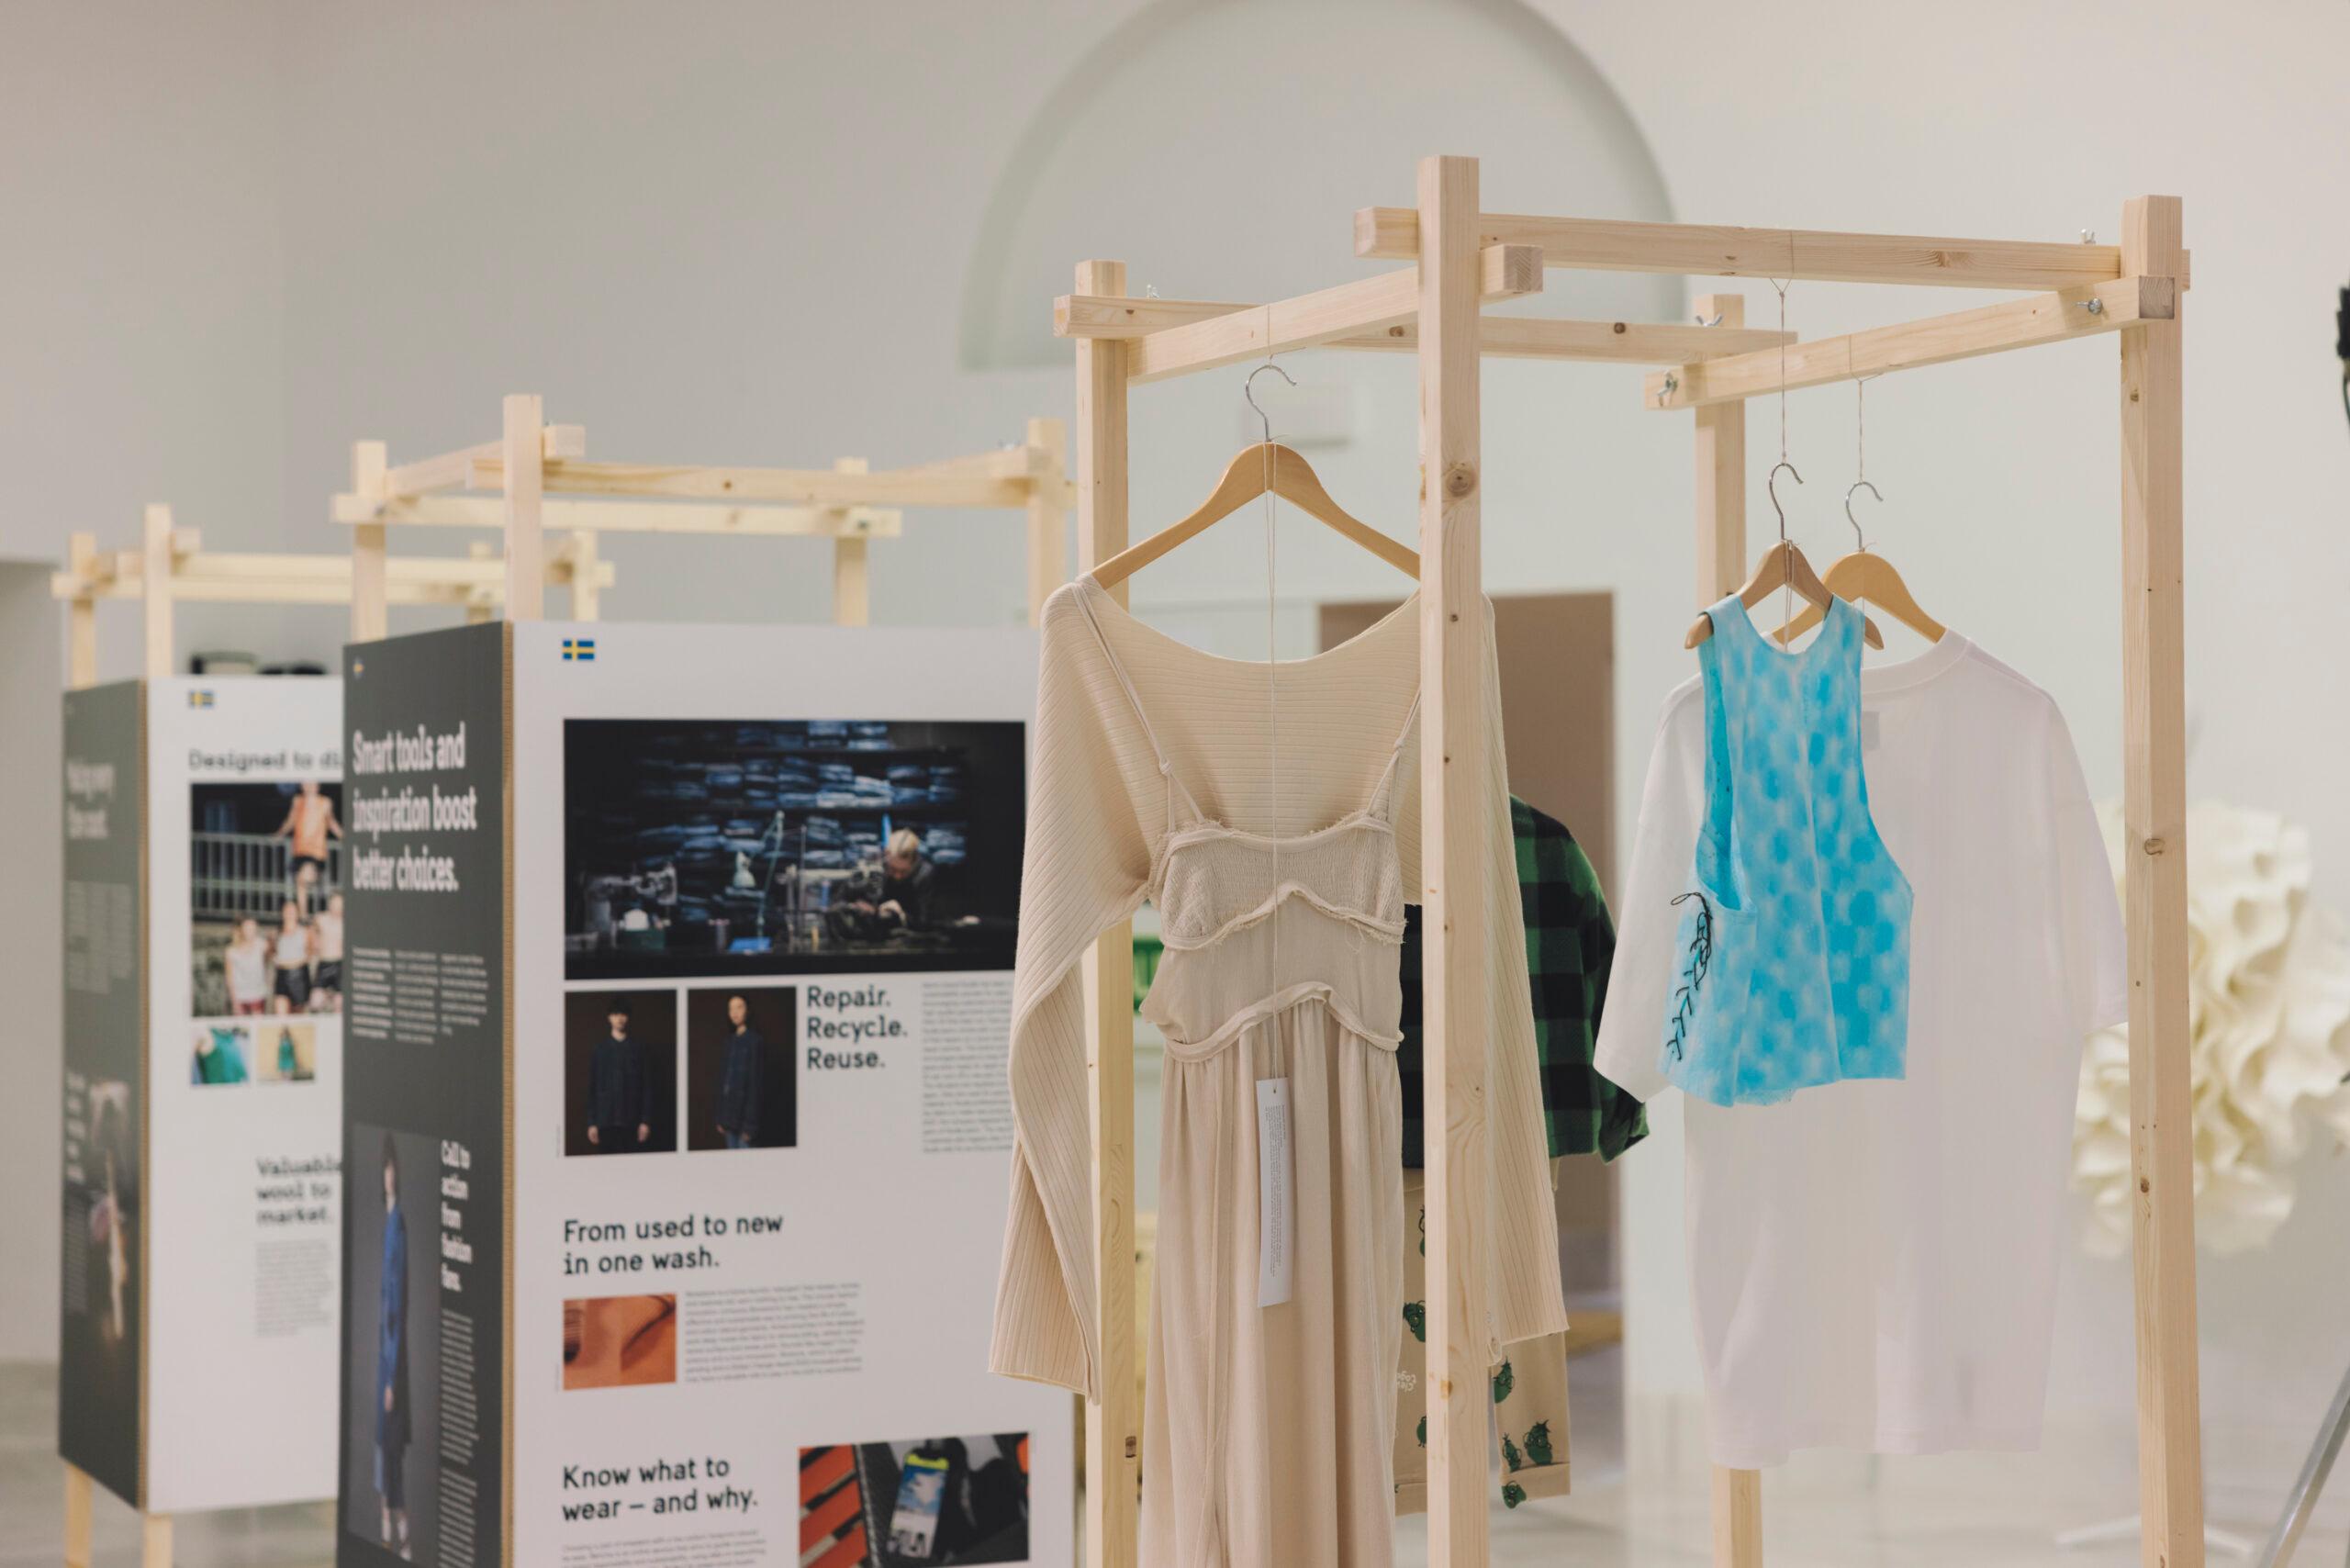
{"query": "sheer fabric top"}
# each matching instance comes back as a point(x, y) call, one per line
point(1279, 862)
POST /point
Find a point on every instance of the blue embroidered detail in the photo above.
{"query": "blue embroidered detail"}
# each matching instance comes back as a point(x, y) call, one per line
point(1701, 954)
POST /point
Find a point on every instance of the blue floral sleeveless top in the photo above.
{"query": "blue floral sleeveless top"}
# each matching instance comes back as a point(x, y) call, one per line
point(1793, 934)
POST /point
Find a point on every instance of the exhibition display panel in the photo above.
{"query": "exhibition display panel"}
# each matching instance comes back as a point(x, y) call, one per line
point(204, 919)
point(680, 998)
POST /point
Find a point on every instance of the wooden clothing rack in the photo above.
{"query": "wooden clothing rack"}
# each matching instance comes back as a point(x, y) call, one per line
point(1463, 258)
point(176, 557)
point(536, 478)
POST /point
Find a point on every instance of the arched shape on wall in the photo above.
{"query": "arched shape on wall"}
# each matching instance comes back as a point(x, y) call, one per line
point(1195, 123)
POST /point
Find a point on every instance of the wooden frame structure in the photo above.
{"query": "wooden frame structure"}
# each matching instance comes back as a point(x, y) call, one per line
point(536, 478)
point(176, 557)
point(1463, 257)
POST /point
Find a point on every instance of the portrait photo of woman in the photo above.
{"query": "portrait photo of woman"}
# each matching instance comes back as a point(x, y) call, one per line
point(393, 1417)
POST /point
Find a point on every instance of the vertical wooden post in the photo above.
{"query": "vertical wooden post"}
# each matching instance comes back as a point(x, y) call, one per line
point(1721, 567)
point(525, 493)
point(1738, 1511)
point(2154, 679)
point(1456, 818)
point(81, 626)
point(155, 591)
point(1721, 475)
point(1113, 1427)
point(370, 620)
point(77, 1514)
point(1047, 547)
point(587, 567)
point(852, 576)
point(155, 1541)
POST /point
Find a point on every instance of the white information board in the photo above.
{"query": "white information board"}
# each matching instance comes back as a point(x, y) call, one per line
point(765, 884)
point(244, 868)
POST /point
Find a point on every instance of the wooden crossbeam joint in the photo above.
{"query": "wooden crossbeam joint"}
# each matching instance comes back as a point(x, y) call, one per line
point(2084, 311)
point(1351, 309)
point(1709, 251)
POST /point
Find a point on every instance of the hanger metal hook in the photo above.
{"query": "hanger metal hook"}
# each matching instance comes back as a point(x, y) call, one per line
point(1771, 485)
point(1248, 390)
point(1859, 540)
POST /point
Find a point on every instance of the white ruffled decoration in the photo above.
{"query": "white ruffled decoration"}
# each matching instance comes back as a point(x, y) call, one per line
point(2268, 1010)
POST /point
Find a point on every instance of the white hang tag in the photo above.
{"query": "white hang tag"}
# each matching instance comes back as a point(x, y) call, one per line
point(1276, 1191)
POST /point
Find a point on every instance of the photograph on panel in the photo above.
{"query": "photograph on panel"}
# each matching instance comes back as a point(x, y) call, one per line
point(620, 1072)
point(391, 1325)
point(252, 1050)
point(100, 1291)
point(741, 1067)
point(265, 882)
point(916, 1501)
point(619, 1341)
point(708, 847)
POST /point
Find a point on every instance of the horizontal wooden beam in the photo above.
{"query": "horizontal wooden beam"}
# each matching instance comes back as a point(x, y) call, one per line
point(790, 487)
point(1022, 463)
point(453, 470)
point(627, 517)
point(1937, 339)
point(1119, 316)
point(228, 578)
point(1703, 251)
point(1504, 337)
point(1621, 342)
point(1351, 309)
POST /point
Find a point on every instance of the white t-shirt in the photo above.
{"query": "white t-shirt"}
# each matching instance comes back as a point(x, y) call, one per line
point(1874, 1262)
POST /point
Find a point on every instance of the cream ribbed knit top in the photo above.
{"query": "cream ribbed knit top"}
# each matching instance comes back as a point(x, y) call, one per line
point(1100, 810)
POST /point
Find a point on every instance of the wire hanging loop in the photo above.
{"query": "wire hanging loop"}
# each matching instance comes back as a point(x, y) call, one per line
point(1248, 390)
point(1860, 456)
point(1859, 541)
point(1272, 651)
point(1771, 485)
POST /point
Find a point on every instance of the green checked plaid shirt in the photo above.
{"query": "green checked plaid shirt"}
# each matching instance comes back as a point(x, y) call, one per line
point(1569, 942)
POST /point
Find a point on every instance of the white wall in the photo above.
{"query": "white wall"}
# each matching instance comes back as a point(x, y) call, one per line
point(739, 231)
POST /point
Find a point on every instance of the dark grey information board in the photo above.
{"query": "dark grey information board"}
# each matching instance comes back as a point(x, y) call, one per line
point(102, 1318)
point(424, 1100)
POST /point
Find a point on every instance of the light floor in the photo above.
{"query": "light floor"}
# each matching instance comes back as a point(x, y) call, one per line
point(1949, 1513)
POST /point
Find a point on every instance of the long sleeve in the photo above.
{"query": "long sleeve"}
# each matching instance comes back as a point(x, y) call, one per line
point(1522, 1240)
point(1640, 981)
point(1092, 785)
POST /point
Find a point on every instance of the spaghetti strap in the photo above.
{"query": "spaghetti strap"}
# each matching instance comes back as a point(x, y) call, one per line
point(1382, 796)
point(1175, 785)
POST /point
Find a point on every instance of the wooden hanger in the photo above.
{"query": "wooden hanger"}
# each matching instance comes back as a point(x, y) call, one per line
point(1784, 565)
point(1863, 575)
point(1260, 468)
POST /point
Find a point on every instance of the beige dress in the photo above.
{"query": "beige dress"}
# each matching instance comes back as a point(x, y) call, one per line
point(1157, 773)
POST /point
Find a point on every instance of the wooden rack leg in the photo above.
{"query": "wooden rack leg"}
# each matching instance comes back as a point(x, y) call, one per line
point(852, 575)
point(2170, 1454)
point(77, 1517)
point(1721, 567)
point(155, 591)
point(525, 483)
point(1113, 1425)
point(1455, 816)
point(370, 618)
point(1738, 1516)
point(1047, 544)
point(155, 1541)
